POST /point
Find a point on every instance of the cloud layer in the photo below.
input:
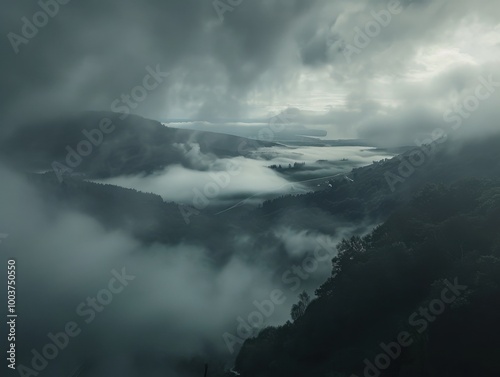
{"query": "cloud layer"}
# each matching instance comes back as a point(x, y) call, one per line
point(264, 56)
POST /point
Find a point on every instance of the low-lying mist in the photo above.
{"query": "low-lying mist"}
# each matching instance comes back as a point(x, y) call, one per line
point(226, 180)
point(177, 302)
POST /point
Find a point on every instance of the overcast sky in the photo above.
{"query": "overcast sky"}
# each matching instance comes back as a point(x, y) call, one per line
point(391, 73)
point(256, 59)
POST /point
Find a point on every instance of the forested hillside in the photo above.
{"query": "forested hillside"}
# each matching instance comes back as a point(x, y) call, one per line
point(439, 233)
point(389, 285)
point(104, 144)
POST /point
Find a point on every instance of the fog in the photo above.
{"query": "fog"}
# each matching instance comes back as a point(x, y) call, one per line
point(430, 68)
point(178, 305)
point(243, 178)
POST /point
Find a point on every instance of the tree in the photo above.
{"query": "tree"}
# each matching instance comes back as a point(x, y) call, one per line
point(299, 308)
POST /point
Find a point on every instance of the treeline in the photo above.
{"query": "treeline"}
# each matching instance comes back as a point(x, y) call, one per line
point(445, 235)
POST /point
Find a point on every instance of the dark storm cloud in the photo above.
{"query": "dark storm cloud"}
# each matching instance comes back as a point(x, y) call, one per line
point(422, 61)
point(90, 52)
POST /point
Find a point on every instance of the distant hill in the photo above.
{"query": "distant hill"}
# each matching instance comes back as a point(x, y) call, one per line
point(102, 145)
point(374, 191)
point(365, 198)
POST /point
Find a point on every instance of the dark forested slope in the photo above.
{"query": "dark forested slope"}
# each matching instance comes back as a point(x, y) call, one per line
point(102, 144)
point(389, 285)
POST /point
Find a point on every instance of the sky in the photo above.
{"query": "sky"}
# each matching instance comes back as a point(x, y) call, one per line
point(255, 59)
point(391, 73)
